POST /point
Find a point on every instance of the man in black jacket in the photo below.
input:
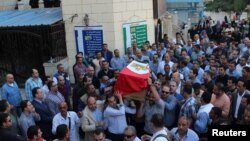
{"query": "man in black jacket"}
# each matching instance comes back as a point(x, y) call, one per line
point(5, 132)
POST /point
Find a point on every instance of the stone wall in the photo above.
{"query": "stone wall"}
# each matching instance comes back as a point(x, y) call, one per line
point(7, 4)
point(111, 14)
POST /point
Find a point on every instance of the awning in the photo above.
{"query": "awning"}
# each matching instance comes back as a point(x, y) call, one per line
point(30, 17)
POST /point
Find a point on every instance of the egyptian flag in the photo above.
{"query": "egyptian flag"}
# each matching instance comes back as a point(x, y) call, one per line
point(133, 80)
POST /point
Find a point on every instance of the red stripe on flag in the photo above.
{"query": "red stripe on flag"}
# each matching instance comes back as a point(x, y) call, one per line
point(130, 82)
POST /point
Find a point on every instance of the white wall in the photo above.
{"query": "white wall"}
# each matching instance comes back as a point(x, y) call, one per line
point(7, 4)
point(111, 14)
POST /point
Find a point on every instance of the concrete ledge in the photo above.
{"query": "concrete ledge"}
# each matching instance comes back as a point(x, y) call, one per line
point(50, 67)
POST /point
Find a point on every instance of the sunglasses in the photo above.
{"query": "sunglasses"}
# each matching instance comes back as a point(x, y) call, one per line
point(128, 136)
point(165, 92)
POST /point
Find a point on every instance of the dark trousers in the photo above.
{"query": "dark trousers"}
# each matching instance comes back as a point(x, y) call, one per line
point(115, 137)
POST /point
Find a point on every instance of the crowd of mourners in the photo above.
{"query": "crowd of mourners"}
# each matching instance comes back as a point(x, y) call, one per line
point(193, 84)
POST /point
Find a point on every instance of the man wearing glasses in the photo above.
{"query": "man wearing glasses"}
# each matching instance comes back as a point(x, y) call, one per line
point(5, 125)
point(170, 103)
point(130, 134)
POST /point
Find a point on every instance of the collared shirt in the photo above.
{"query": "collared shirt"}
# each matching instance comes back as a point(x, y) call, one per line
point(178, 88)
point(80, 69)
point(154, 66)
point(189, 107)
point(170, 110)
point(12, 94)
point(185, 72)
point(149, 110)
point(234, 73)
point(117, 63)
point(239, 97)
point(162, 65)
point(202, 119)
point(45, 90)
point(136, 139)
point(190, 136)
point(163, 51)
point(30, 84)
point(115, 119)
point(52, 100)
point(163, 131)
point(210, 50)
point(72, 121)
point(178, 96)
point(26, 120)
point(97, 114)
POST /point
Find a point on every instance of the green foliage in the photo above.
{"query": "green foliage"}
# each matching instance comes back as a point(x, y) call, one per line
point(226, 5)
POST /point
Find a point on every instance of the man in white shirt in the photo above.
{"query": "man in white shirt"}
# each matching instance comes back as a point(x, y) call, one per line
point(160, 133)
point(69, 118)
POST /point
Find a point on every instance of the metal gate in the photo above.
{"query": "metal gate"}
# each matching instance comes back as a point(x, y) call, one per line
point(20, 51)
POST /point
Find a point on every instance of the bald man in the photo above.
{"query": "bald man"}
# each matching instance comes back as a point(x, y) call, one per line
point(11, 93)
point(69, 118)
point(92, 118)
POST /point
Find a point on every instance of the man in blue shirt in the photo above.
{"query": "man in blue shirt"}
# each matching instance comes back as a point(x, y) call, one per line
point(11, 93)
point(117, 62)
point(182, 132)
point(32, 82)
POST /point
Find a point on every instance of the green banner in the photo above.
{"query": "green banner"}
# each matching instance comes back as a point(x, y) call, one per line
point(135, 32)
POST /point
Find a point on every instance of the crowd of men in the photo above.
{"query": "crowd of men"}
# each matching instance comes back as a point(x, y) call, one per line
point(195, 83)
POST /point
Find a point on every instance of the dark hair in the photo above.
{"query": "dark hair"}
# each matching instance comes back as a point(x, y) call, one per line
point(196, 86)
point(61, 131)
point(247, 68)
point(99, 131)
point(23, 104)
point(224, 67)
point(208, 72)
point(34, 91)
point(187, 89)
point(195, 71)
point(217, 111)
point(104, 61)
point(197, 46)
point(232, 62)
point(108, 96)
point(58, 65)
point(157, 120)
point(50, 84)
point(3, 105)
point(32, 131)
point(46, 78)
point(220, 86)
point(247, 96)
point(243, 80)
point(76, 56)
point(3, 118)
point(233, 79)
point(98, 52)
point(206, 97)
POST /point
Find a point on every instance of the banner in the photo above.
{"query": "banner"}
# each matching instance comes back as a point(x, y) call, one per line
point(135, 32)
point(89, 39)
